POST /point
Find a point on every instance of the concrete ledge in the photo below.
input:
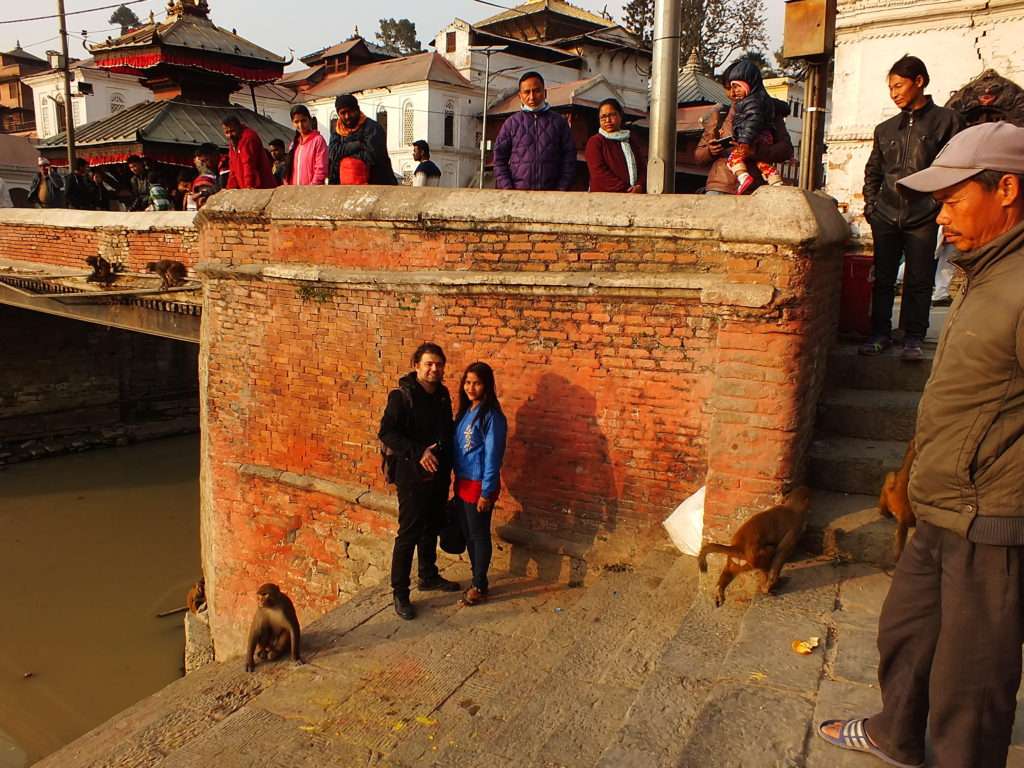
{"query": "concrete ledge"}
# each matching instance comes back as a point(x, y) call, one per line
point(780, 216)
point(61, 218)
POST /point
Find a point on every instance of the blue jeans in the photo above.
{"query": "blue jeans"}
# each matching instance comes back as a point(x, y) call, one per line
point(476, 526)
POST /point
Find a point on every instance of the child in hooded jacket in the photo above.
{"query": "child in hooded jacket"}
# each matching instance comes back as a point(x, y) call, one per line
point(753, 117)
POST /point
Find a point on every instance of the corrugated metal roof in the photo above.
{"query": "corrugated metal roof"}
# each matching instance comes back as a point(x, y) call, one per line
point(20, 53)
point(697, 88)
point(189, 31)
point(617, 37)
point(301, 74)
point(555, 6)
point(409, 69)
point(344, 47)
point(170, 122)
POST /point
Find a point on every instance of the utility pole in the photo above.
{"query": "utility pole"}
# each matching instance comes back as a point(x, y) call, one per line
point(812, 141)
point(487, 51)
point(661, 164)
point(69, 112)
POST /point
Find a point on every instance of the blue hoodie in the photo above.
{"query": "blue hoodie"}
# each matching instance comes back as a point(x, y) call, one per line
point(479, 448)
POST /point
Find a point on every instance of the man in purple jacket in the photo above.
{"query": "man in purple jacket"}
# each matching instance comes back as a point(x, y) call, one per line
point(534, 149)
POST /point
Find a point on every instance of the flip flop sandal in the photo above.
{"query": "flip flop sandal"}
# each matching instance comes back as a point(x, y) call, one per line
point(473, 596)
point(854, 736)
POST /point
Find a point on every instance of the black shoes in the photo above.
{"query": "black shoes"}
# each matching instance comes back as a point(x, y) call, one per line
point(438, 584)
point(404, 608)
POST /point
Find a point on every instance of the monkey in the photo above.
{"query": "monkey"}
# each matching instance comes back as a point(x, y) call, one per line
point(196, 599)
point(172, 273)
point(274, 628)
point(103, 272)
point(893, 501)
point(764, 542)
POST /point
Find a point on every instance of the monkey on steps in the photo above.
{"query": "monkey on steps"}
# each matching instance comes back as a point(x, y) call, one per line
point(274, 628)
point(764, 543)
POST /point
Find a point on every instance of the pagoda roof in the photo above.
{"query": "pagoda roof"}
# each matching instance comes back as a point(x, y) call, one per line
point(372, 52)
point(22, 55)
point(172, 122)
point(695, 87)
point(559, 7)
point(420, 67)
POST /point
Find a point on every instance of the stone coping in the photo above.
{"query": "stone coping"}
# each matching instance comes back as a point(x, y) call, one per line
point(784, 215)
point(63, 218)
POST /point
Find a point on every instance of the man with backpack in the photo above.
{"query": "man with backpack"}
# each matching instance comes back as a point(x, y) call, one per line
point(416, 444)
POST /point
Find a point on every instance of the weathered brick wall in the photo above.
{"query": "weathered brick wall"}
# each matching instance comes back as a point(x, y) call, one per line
point(67, 385)
point(65, 238)
point(643, 347)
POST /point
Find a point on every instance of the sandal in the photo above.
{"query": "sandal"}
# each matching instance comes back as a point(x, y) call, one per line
point(853, 736)
point(473, 596)
point(876, 345)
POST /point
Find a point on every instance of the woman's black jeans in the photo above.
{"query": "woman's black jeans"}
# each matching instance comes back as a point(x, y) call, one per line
point(476, 527)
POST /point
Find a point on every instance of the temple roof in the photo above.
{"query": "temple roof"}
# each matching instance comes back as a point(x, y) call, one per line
point(695, 87)
point(420, 67)
point(559, 7)
point(22, 55)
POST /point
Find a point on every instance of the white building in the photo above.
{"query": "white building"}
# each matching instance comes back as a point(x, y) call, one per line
point(790, 91)
point(957, 40)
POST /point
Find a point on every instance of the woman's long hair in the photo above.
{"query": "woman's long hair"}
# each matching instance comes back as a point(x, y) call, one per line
point(489, 402)
point(298, 109)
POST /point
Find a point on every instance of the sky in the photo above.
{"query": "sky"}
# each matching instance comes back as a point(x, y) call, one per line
point(271, 25)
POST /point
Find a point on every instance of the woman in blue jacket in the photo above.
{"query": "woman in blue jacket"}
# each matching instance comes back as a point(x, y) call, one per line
point(480, 431)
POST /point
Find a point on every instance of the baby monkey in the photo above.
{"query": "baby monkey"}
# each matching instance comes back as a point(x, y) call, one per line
point(274, 629)
point(172, 273)
point(765, 542)
point(103, 272)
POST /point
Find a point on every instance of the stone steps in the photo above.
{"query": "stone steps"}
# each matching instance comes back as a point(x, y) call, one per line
point(848, 527)
point(853, 464)
point(849, 370)
point(869, 413)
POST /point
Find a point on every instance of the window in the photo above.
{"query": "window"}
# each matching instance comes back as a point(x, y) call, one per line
point(449, 43)
point(47, 130)
point(62, 115)
point(408, 124)
point(382, 120)
point(76, 111)
point(449, 124)
point(116, 102)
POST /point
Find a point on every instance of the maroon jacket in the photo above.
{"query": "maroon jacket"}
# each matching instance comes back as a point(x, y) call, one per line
point(250, 164)
point(607, 164)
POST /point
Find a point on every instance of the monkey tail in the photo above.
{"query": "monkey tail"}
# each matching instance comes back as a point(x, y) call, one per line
point(883, 499)
point(721, 549)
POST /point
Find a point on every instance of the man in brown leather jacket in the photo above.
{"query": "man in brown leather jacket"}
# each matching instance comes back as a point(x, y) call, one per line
point(952, 626)
point(709, 151)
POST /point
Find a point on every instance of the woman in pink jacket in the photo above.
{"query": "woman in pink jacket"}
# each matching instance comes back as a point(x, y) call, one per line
point(307, 158)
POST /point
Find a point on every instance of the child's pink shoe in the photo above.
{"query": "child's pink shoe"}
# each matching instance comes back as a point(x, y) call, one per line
point(746, 183)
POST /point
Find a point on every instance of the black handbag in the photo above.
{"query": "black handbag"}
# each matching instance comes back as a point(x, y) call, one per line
point(451, 538)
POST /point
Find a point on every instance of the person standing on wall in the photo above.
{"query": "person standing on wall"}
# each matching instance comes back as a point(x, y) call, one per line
point(249, 163)
point(306, 161)
point(358, 153)
point(534, 149)
point(903, 221)
point(47, 189)
point(616, 160)
point(479, 445)
point(416, 435)
point(951, 630)
point(81, 193)
point(427, 174)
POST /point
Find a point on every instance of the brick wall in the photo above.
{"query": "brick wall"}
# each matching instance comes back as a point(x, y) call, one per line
point(67, 385)
point(643, 346)
point(65, 238)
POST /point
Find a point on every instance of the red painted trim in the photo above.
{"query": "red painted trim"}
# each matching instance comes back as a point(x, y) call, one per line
point(132, 64)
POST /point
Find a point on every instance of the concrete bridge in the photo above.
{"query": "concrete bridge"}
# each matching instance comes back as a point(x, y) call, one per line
point(644, 347)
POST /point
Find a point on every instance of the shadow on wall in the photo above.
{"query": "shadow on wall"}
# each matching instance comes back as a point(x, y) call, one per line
point(560, 475)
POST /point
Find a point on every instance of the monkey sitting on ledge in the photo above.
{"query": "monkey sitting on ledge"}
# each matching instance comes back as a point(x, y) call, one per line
point(274, 628)
point(103, 272)
point(172, 273)
point(764, 542)
point(196, 599)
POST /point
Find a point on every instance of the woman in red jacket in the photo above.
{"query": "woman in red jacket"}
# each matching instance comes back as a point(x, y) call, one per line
point(615, 159)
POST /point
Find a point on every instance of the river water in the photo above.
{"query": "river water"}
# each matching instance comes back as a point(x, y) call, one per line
point(92, 547)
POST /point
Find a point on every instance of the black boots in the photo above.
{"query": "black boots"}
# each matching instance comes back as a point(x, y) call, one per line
point(404, 608)
point(438, 584)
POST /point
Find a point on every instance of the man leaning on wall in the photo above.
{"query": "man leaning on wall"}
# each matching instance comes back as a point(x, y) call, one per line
point(952, 626)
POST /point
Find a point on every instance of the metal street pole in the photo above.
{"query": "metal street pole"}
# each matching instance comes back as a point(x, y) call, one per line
point(661, 163)
point(69, 112)
point(812, 140)
point(487, 51)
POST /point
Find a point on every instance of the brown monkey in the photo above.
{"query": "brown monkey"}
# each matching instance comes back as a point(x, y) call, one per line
point(894, 501)
point(103, 272)
point(764, 542)
point(172, 273)
point(196, 599)
point(274, 629)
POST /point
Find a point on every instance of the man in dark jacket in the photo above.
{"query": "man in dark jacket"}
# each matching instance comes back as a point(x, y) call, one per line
point(534, 149)
point(81, 192)
point(416, 432)
point(719, 124)
point(902, 221)
point(951, 631)
point(357, 136)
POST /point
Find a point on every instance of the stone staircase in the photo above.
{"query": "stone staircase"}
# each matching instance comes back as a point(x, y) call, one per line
point(865, 419)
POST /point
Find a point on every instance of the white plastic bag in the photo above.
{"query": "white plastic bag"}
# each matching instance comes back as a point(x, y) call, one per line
point(685, 526)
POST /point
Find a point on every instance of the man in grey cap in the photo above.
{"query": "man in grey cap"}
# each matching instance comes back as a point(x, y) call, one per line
point(952, 627)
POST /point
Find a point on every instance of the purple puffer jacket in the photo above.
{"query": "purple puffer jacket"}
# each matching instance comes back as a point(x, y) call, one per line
point(535, 150)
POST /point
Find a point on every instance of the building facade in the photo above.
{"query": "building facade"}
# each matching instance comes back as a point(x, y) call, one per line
point(17, 114)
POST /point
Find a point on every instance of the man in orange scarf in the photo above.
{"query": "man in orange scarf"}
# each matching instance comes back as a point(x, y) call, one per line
point(358, 153)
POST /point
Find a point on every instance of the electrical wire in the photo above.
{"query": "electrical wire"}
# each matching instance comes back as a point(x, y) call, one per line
point(73, 13)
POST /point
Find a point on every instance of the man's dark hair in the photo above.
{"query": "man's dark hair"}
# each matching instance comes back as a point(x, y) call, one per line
point(154, 177)
point(133, 159)
point(206, 149)
point(990, 179)
point(911, 68)
point(346, 101)
point(529, 76)
point(422, 145)
point(81, 162)
point(611, 103)
point(232, 121)
point(186, 176)
point(428, 348)
point(277, 143)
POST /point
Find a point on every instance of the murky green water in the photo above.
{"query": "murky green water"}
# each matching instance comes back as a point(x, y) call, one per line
point(92, 547)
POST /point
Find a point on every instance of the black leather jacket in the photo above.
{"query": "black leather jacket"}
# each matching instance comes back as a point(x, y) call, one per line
point(905, 144)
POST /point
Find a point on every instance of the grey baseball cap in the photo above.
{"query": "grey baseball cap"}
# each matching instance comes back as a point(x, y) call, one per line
point(985, 147)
